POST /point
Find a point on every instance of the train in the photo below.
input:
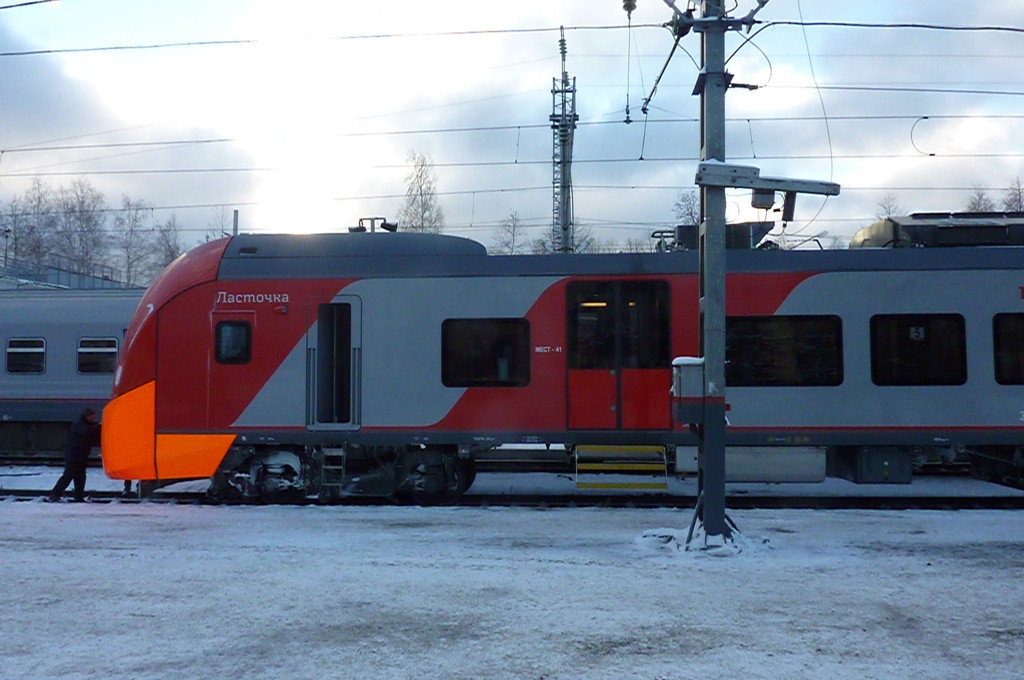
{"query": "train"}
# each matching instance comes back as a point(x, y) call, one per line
point(60, 351)
point(325, 365)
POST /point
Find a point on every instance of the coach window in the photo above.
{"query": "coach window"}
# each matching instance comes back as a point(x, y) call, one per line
point(1008, 336)
point(97, 355)
point(776, 351)
point(26, 355)
point(485, 352)
point(234, 342)
point(918, 349)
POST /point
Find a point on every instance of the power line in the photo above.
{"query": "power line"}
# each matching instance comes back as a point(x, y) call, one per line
point(497, 31)
point(507, 31)
point(826, 55)
point(523, 189)
point(898, 25)
point(27, 3)
point(339, 38)
point(506, 163)
point(29, 148)
point(916, 90)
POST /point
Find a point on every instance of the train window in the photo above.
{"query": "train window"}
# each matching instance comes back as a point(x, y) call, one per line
point(645, 323)
point(97, 355)
point(777, 351)
point(26, 355)
point(592, 324)
point(1008, 335)
point(918, 349)
point(334, 363)
point(234, 342)
point(485, 352)
point(618, 324)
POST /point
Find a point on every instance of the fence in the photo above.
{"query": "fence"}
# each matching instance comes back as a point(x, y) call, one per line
point(59, 272)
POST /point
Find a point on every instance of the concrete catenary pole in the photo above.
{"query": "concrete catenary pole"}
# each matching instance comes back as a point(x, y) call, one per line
point(713, 84)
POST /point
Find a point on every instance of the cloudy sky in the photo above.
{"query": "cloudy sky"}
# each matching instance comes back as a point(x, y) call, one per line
point(302, 114)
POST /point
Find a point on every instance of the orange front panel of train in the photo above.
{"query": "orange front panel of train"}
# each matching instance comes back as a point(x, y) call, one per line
point(190, 456)
point(128, 433)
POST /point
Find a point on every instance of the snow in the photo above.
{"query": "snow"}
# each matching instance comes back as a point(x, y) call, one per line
point(148, 590)
point(43, 478)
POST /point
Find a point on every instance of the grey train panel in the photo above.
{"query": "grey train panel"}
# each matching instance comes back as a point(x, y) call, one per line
point(403, 385)
point(401, 348)
point(61, 318)
point(925, 414)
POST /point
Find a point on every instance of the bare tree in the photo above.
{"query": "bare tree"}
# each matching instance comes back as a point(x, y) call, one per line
point(33, 235)
point(888, 206)
point(12, 224)
point(582, 241)
point(80, 236)
point(221, 223)
point(1013, 197)
point(509, 237)
point(421, 210)
point(133, 238)
point(979, 201)
point(636, 245)
point(167, 243)
point(687, 207)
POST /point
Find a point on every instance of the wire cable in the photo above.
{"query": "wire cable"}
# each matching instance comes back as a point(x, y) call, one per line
point(27, 3)
point(629, 57)
point(824, 113)
point(338, 38)
point(917, 26)
point(46, 147)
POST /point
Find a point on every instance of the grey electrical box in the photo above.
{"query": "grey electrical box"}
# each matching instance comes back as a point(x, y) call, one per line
point(688, 389)
point(871, 464)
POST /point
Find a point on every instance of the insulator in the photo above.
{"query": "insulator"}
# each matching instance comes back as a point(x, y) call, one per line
point(561, 47)
point(629, 6)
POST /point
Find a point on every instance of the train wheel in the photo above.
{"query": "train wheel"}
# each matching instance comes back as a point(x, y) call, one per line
point(428, 488)
point(434, 477)
point(468, 466)
point(457, 480)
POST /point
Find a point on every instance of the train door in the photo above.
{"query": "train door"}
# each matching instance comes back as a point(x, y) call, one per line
point(618, 355)
point(333, 365)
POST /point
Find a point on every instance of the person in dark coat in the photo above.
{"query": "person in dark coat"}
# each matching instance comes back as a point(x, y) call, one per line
point(84, 434)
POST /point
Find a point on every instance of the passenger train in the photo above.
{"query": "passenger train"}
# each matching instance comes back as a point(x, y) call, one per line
point(60, 350)
point(384, 363)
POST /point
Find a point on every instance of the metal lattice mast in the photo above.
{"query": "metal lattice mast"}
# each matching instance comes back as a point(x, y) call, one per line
point(563, 125)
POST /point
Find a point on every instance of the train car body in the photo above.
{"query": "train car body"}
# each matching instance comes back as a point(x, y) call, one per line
point(272, 362)
point(60, 349)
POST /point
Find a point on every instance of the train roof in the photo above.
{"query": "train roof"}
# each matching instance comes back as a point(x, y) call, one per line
point(71, 294)
point(943, 230)
point(37, 306)
point(398, 255)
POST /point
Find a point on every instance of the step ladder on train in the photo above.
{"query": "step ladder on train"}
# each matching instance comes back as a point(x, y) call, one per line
point(332, 472)
point(621, 467)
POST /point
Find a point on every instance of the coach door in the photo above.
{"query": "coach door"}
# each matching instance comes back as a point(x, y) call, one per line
point(333, 363)
point(618, 354)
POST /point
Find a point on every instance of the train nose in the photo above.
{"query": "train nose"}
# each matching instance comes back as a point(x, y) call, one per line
point(129, 434)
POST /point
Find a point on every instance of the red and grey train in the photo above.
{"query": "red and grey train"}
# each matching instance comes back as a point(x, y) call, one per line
point(317, 365)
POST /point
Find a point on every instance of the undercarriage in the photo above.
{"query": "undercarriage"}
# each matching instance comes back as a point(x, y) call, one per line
point(414, 474)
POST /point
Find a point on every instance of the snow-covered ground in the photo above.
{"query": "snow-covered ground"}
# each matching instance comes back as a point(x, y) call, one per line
point(42, 478)
point(163, 591)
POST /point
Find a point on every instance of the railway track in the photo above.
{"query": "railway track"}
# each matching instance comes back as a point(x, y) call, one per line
point(653, 501)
